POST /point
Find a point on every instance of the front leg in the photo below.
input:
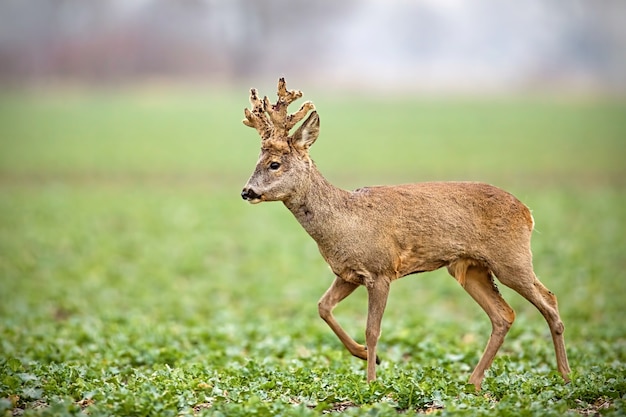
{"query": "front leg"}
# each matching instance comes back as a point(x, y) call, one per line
point(377, 292)
point(339, 290)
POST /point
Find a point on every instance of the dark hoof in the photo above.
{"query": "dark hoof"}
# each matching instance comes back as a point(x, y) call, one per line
point(377, 358)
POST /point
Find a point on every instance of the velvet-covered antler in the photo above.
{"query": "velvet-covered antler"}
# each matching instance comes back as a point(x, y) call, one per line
point(272, 120)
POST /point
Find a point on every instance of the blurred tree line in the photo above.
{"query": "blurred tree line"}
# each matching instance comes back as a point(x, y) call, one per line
point(349, 41)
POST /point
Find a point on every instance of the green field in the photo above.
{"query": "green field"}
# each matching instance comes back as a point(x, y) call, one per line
point(135, 281)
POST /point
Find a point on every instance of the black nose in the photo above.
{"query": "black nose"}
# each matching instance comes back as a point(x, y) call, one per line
point(249, 194)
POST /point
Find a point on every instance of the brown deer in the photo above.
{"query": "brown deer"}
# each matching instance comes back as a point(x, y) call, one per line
point(375, 235)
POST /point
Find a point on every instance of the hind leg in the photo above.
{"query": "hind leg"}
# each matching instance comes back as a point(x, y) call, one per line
point(478, 282)
point(524, 281)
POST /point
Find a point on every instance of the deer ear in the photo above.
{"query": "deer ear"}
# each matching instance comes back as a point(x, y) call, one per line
point(307, 133)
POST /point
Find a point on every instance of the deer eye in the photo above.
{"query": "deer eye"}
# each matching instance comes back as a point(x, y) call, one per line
point(274, 166)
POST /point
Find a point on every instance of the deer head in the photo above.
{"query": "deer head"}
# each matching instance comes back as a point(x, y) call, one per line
point(284, 160)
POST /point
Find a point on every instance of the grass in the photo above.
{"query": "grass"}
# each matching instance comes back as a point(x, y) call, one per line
point(134, 281)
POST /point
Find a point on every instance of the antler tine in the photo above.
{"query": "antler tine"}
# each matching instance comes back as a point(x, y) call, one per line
point(257, 117)
point(294, 118)
point(288, 96)
point(282, 121)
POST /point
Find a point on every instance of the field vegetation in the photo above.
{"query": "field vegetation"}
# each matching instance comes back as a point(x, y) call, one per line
point(135, 281)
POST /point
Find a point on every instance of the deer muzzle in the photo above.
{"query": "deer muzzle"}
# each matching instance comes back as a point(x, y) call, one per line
point(250, 195)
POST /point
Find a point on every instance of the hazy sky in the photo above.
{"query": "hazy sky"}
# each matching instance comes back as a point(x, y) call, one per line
point(422, 43)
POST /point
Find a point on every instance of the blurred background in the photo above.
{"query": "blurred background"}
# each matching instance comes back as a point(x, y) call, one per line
point(123, 155)
point(407, 90)
point(361, 44)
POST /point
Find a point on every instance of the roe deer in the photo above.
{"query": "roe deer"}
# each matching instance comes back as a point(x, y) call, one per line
point(375, 235)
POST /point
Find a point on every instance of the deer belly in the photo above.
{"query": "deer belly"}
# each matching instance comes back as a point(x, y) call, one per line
point(417, 260)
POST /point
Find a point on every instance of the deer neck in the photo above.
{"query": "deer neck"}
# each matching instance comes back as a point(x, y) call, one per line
point(317, 205)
